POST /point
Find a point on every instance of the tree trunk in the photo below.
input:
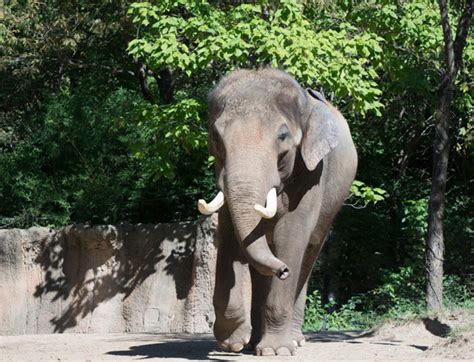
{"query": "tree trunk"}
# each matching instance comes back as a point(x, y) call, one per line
point(144, 83)
point(435, 237)
point(166, 83)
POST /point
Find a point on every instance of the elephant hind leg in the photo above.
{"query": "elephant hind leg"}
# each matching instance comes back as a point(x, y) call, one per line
point(310, 257)
point(298, 317)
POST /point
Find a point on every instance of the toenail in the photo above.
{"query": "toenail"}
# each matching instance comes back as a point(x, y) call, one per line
point(283, 351)
point(236, 347)
point(268, 351)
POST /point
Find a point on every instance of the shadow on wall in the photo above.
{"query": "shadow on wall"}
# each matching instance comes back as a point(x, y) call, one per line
point(86, 266)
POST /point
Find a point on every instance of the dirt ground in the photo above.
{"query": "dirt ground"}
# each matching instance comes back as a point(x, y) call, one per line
point(423, 339)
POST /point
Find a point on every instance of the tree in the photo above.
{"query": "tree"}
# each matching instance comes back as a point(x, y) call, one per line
point(453, 52)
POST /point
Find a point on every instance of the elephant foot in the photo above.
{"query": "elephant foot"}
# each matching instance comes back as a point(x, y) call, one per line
point(298, 339)
point(276, 345)
point(232, 337)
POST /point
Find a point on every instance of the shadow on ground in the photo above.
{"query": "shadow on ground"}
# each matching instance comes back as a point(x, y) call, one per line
point(206, 348)
point(192, 349)
point(353, 336)
point(336, 336)
point(437, 328)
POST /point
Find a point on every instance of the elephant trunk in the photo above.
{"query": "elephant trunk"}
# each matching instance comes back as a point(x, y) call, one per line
point(244, 189)
point(263, 260)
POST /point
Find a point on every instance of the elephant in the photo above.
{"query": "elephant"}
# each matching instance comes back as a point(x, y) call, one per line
point(285, 147)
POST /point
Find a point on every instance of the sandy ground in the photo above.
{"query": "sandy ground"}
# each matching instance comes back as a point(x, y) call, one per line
point(388, 343)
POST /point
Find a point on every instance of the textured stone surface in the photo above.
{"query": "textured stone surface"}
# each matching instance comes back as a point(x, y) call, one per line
point(103, 279)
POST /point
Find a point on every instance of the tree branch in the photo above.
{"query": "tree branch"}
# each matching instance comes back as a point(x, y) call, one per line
point(408, 150)
point(142, 74)
point(448, 41)
point(166, 84)
point(5, 61)
point(80, 65)
point(461, 34)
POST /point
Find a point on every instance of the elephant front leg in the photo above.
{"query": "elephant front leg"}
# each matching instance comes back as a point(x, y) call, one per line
point(232, 325)
point(276, 319)
point(277, 312)
point(290, 244)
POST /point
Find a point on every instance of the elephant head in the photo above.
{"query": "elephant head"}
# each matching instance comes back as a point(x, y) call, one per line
point(260, 121)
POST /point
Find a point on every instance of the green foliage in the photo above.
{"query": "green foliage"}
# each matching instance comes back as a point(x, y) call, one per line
point(414, 219)
point(192, 37)
point(400, 296)
point(330, 317)
point(165, 134)
point(367, 194)
point(456, 292)
point(400, 291)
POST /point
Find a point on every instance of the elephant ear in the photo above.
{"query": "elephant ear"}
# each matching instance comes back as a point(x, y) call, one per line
point(321, 133)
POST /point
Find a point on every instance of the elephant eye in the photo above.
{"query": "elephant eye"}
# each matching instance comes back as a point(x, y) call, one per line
point(283, 133)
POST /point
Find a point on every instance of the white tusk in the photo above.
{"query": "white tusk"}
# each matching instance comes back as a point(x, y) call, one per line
point(209, 208)
point(270, 209)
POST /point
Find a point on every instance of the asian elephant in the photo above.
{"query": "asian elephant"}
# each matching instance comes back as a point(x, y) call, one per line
point(279, 145)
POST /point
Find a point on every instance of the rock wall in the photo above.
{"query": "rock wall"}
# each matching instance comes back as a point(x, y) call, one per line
point(100, 279)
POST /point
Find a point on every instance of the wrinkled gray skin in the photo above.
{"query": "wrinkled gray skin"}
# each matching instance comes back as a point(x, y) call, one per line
point(266, 131)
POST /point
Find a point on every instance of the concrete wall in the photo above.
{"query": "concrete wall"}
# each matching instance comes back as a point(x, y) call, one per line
point(99, 279)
